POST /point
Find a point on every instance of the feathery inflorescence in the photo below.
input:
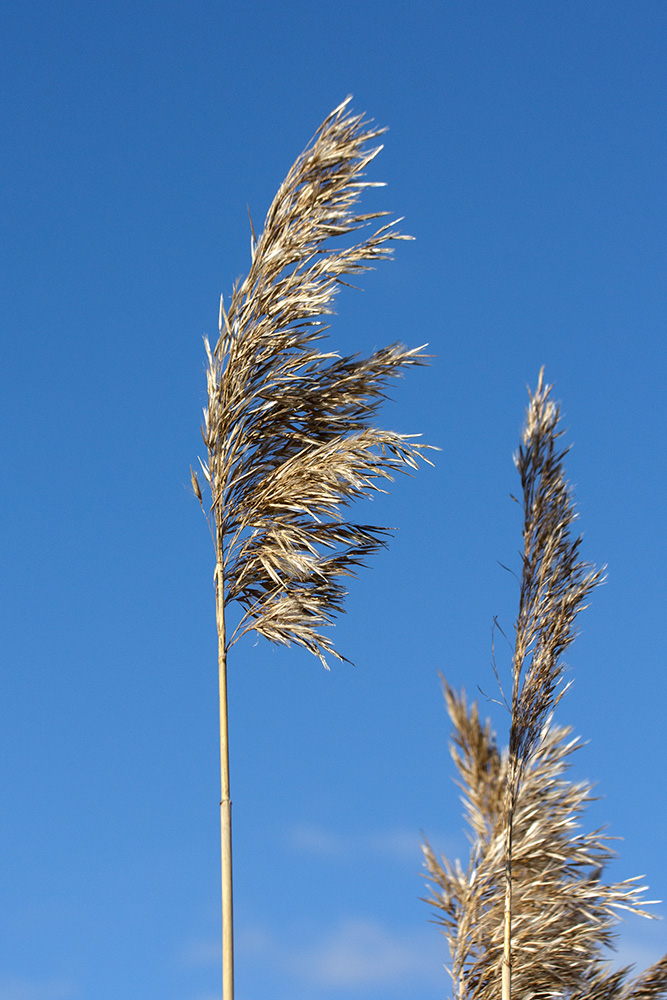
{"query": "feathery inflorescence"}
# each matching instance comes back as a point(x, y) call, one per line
point(554, 586)
point(288, 426)
point(532, 909)
point(555, 583)
point(564, 913)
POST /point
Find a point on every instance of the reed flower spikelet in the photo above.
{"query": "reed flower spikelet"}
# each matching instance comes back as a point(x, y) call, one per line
point(531, 914)
point(564, 913)
point(288, 425)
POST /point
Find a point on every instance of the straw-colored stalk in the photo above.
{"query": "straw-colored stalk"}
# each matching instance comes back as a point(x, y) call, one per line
point(531, 914)
point(288, 426)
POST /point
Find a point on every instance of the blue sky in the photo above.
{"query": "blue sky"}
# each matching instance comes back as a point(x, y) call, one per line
point(526, 150)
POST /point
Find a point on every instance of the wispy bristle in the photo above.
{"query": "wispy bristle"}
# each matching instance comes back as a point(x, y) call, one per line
point(555, 582)
point(288, 426)
point(531, 911)
point(564, 913)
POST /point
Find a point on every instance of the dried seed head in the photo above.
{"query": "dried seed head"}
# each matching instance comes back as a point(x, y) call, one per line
point(195, 484)
point(288, 426)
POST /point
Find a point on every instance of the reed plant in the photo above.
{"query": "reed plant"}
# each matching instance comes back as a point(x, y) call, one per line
point(531, 915)
point(288, 425)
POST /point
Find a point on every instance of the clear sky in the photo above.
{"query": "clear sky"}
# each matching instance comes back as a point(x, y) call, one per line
point(527, 151)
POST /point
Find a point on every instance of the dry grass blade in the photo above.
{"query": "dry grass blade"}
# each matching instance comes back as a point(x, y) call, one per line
point(604, 985)
point(564, 913)
point(288, 426)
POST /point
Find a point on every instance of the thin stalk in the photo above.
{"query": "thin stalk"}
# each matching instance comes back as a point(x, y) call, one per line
point(225, 801)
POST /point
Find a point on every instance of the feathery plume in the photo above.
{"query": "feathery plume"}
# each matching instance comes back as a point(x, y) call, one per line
point(564, 914)
point(555, 584)
point(289, 427)
point(531, 910)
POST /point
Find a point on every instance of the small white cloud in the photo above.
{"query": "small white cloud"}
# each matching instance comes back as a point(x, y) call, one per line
point(253, 940)
point(29, 989)
point(357, 953)
point(315, 840)
point(397, 844)
point(364, 953)
point(211, 996)
point(202, 953)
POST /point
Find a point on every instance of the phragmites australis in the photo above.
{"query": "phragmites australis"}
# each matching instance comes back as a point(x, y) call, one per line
point(289, 425)
point(531, 914)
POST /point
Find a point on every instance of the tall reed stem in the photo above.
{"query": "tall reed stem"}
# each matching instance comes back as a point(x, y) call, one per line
point(225, 800)
point(289, 428)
